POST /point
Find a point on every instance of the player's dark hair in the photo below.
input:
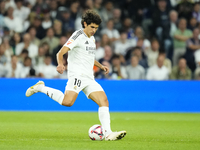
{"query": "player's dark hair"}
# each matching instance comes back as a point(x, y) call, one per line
point(89, 17)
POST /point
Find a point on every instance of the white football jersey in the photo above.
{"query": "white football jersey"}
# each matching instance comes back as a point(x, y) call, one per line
point(81, 55)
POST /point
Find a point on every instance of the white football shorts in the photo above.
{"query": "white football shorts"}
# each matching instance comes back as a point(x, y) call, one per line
point(81, 83)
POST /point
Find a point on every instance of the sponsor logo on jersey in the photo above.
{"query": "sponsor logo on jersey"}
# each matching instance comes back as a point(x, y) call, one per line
point(70, 41)
point(91, 52)
point(86, 42)
point(90, 48)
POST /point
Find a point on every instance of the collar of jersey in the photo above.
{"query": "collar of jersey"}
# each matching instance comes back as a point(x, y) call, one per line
point(84, 33)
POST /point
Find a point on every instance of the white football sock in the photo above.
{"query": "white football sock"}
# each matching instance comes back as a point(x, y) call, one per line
point(104, 117)
point(54, 94)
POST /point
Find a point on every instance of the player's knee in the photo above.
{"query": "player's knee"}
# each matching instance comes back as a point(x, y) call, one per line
point(67, 102)
point(104, 102)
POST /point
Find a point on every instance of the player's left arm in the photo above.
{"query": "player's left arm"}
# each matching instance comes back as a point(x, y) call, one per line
point(102, 67)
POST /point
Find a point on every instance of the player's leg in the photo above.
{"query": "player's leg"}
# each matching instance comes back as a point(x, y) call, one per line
point(104, 116)
point(66, 99)
point(69, 98)
point(95, 92)
point(100, 98)
point(54, 94)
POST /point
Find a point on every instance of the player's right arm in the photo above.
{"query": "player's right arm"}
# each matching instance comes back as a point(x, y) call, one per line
point(59, 56)
point(69, 45)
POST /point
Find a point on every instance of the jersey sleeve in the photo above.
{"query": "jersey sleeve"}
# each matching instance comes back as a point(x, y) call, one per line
point(72, 42)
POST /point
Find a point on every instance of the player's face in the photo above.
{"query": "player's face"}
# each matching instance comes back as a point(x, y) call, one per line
point(91, 29)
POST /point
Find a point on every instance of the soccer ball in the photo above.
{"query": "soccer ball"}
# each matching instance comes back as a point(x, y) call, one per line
point(96, 132)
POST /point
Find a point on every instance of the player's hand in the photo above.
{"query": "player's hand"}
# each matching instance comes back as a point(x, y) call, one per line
point(60, 69)
point(106, 69)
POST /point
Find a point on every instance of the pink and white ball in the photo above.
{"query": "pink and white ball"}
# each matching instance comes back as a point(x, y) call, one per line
point(96, 132)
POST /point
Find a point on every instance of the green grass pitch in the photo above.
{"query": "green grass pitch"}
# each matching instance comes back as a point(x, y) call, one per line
point(69, 131)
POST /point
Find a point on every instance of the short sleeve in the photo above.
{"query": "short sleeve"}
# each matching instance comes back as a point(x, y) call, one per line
point(72, 42)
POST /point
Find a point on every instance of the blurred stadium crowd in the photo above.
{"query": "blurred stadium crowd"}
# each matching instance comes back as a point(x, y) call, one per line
point(138, 39)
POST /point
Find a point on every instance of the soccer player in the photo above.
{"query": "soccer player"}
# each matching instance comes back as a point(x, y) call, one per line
point(81, 59)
